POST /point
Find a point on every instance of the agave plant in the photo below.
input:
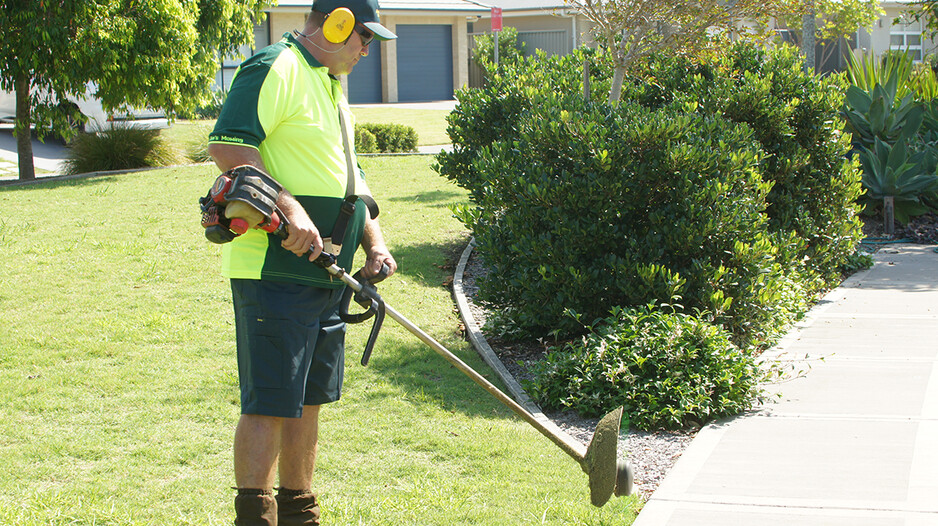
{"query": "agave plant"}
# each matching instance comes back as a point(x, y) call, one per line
point(889, 171)
point(867, 71)
point(878, 114)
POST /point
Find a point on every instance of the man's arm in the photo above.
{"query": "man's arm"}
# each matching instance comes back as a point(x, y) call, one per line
point(303, 234)
point(376, 250)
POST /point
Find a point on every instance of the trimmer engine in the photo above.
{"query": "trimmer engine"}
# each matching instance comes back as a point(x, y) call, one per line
point(242, 184)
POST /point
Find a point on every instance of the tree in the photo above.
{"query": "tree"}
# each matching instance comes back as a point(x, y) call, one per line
point(157, 53)
point(637, 28)
point(926, 12)
point(833, 20)
point(509, 47)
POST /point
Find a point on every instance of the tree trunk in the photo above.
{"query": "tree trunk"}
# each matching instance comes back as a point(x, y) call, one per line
point(808, 43)
point(615, 93)
point(23, 129)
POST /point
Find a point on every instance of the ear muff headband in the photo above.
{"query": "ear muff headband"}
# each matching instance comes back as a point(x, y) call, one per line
point(338, 25)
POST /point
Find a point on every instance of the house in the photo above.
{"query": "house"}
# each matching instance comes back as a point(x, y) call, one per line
point(428, 61)
point(907, 35)
point(431, 58)
point(551, 26)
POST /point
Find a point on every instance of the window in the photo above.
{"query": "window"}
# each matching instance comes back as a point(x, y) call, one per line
point(906, 35)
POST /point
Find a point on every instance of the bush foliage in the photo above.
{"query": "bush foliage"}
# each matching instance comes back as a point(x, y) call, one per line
point(721, 189)
point(119, 149)
point(668, 370)
point(385, 138)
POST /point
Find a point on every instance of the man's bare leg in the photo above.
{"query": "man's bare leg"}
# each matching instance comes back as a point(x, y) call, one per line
point(299, 444)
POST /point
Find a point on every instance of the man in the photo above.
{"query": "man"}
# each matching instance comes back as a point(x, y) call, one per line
point(284, 114)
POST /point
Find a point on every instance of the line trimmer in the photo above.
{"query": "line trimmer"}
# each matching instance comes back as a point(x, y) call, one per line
point(245, 197)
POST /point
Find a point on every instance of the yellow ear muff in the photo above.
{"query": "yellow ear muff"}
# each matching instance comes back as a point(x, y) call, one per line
point(338, 25)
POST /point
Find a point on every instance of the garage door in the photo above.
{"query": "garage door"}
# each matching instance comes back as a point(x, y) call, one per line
point(364, 82)
point(424, 62)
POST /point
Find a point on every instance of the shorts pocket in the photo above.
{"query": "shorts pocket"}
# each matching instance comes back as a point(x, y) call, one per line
point(268, 357)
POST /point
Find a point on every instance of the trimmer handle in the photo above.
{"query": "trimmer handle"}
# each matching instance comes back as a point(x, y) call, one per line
point(369, 298)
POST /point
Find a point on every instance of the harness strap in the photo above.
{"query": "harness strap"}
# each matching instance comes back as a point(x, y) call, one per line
point(348, 206)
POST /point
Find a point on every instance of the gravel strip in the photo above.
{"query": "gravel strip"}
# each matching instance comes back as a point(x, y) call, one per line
point(651, 454)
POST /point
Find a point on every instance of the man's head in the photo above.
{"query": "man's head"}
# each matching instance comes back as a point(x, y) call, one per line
point(340, 42)
point(365, 11)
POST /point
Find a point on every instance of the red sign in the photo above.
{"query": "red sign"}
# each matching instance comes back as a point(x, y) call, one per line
point(496, 19)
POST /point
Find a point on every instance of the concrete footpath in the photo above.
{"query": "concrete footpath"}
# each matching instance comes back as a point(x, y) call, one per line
point(852, 441)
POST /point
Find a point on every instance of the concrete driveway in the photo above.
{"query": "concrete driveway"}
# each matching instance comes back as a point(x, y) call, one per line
point(47, 157)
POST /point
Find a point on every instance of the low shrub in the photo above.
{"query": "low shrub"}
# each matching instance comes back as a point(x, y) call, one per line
point(795, 118)
point(390, 138)
point(365, 141)
point(119, 148)
point(669, 370)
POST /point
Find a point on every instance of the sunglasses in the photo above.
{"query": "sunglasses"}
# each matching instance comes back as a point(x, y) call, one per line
point(366, 35)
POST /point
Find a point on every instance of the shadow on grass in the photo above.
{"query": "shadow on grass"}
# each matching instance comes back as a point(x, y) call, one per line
point(54, 182)
point(431, 264)
point(423, 377)
point(441, 197)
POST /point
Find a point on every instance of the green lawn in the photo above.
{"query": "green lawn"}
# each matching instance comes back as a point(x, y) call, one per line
point(430, 125)
point(118, 382)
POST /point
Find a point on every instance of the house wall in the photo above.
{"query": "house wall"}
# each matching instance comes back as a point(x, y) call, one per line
point(281, 23)
point(576, 27)
point(878, 38)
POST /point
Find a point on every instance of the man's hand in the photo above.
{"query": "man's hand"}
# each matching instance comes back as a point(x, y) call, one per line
point(302, 233)
point(378, 256)
point(376, 251)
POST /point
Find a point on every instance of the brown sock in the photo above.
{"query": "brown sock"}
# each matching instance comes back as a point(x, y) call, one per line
point(297, 507)
point(255, 507)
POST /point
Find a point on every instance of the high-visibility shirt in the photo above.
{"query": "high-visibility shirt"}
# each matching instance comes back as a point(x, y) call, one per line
point(284, 103)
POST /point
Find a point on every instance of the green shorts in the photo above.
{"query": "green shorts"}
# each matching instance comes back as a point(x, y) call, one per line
point(291, 346)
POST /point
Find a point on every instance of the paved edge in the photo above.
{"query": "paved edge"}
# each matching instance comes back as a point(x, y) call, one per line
point(478, 341)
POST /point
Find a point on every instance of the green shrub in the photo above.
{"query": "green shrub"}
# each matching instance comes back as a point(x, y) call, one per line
point(119, 149)
point(209, 110)
point(668, 370)
point(794, 117)
point(892, 114)
point(197, 152)
point(890, 171)
point(391, 138)
point(723, 183)
point(488, 115)
point(365, 141)
point(584, 210)
point(510, 49)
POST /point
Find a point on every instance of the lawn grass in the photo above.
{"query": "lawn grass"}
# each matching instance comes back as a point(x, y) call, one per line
point(430, 125)
point(118, 383)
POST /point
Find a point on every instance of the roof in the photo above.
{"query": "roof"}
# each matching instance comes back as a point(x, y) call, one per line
point(406, 5)
point(517, 5)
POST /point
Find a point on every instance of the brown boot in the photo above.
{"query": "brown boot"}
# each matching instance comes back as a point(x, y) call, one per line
point(255, 507)
point(297, 507)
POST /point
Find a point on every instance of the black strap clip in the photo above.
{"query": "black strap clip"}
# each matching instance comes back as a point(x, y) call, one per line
point(346, 211)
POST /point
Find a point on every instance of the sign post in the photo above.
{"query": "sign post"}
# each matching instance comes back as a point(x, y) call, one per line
point(496, 28)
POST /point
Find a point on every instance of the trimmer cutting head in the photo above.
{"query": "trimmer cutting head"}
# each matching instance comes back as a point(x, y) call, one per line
point(606, 474)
